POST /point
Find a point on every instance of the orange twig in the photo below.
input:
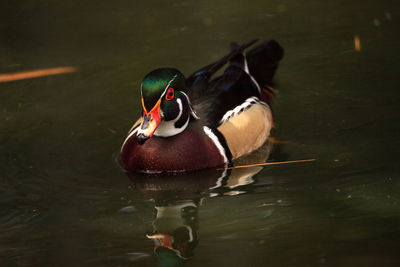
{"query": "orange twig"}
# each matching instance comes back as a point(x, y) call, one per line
point(357, 43)
point(268, 163)
point(35, 73)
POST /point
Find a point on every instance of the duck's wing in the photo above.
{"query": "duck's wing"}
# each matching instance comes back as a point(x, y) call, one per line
point(245, 81)
point(198, 82)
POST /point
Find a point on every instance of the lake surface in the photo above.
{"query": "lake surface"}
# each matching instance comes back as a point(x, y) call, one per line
point(64, 200)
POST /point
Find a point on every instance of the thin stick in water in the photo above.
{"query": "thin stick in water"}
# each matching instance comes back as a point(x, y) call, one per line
point(9, 77)
point(267, 163)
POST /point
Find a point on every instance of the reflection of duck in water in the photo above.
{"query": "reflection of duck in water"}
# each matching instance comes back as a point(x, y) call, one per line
point(177, 198)
point(199, 123)
point(175, 221)
point(175, 227)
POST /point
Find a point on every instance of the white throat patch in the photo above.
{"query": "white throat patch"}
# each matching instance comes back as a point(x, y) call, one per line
point(167, 128)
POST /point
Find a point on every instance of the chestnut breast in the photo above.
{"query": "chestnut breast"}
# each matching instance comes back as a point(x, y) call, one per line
point(190, 150)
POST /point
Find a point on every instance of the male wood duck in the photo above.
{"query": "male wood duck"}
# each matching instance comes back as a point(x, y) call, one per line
point(199, 122)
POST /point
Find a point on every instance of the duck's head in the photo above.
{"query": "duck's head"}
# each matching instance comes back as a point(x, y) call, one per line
point(166, 108)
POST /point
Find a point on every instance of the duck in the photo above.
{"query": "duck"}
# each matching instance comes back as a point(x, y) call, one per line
point(202, 121)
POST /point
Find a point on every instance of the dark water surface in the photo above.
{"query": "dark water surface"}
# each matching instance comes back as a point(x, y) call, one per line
point(64, 201)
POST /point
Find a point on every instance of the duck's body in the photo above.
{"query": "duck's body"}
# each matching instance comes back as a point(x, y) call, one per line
point(192, 147)
point(197, 123)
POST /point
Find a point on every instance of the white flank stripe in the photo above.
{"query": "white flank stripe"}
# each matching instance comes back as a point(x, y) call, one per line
point(216, 142)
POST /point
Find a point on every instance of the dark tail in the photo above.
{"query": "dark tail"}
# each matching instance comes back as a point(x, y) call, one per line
point(198, 81)
point(263, 61)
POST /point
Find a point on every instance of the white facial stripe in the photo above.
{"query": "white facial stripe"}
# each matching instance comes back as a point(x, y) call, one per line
point(165, 89)
point(167, 128)
point(190, 106)
point(169, 83)
point(179, 101)
point(194, 114)
point(216, 142)
point(130, 135)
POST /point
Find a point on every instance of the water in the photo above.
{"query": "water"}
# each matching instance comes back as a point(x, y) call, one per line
point(64, 200)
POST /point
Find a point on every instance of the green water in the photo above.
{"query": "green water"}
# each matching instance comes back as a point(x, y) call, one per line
point(64, 201)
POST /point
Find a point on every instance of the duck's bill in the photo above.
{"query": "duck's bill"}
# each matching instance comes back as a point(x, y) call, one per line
point(150, 122)
point(162, 240)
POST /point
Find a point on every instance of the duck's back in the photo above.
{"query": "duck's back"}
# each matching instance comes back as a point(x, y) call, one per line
point(238, 102)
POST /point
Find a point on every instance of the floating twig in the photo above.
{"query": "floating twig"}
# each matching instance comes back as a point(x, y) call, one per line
point(35, 73)
point(267, 163)
point(357, 43)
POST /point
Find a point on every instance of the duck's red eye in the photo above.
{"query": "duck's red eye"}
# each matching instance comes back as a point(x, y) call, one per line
point(170, 94)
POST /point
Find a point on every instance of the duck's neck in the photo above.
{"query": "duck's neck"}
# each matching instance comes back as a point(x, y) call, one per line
point(180, 123)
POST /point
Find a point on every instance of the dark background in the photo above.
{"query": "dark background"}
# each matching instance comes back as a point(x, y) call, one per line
point(61, 187)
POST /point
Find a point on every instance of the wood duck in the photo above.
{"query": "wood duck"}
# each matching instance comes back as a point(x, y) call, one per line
point(203, 122)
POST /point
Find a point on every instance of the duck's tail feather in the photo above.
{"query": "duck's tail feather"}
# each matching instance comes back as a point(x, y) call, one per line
point(263, 61)
point(198, 81)
point(260, 63)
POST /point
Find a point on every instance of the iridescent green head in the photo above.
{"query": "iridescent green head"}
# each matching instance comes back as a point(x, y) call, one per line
point(156, 84)
point(166, 107)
